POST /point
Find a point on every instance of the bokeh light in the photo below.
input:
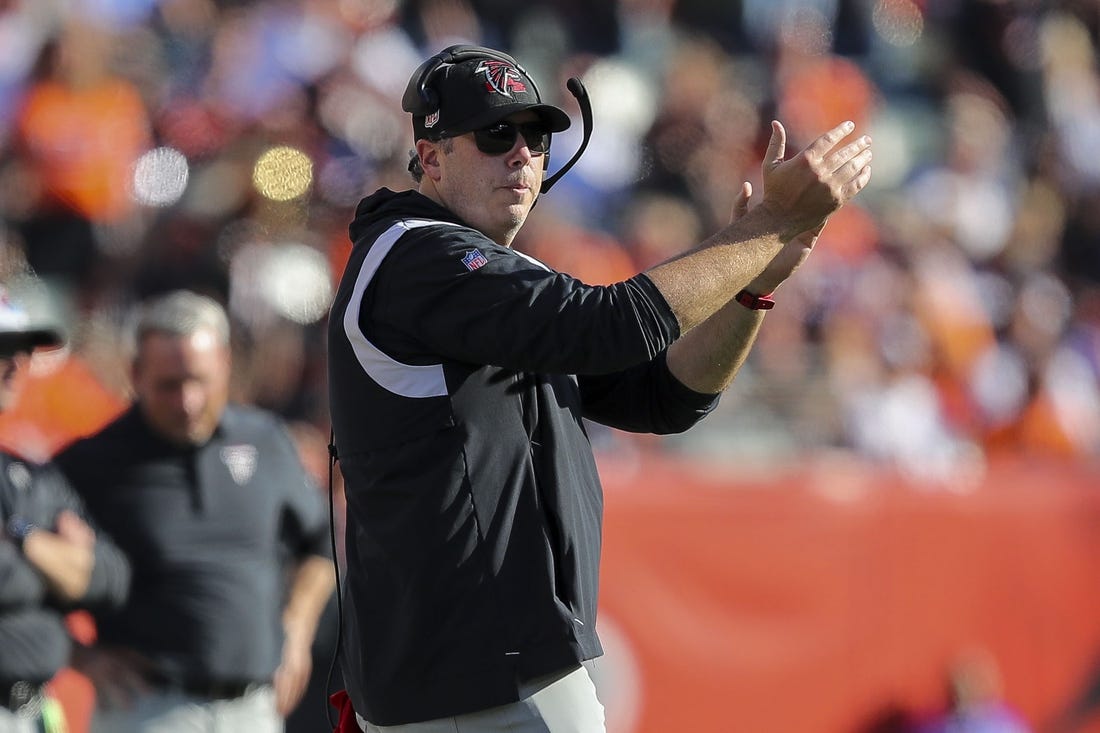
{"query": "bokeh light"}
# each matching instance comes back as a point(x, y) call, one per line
point(283, 173)
point(898, 22)
point(297, 283)
point(160, 177)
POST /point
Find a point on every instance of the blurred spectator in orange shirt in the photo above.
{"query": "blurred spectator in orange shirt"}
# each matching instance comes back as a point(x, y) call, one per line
point(78, 134)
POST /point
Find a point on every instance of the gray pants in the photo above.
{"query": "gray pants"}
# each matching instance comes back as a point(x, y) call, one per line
point(177, 712)
point(15, 723)
point(567, 705)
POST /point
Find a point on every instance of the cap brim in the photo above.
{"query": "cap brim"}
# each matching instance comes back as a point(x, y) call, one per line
point(556, 120)
point(32, 338)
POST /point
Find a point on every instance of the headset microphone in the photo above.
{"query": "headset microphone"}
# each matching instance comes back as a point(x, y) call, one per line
point(577, 90)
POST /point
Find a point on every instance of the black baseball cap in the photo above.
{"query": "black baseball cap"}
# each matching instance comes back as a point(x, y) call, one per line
point(19, 333)
point(448, 99)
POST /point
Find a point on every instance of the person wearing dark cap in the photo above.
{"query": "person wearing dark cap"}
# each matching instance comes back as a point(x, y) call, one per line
point(52, 559)
point(460, 371)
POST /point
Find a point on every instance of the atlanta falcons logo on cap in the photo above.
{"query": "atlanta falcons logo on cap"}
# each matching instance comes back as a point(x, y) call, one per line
point(501, 77)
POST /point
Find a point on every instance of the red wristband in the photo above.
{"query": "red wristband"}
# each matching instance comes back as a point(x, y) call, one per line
point(755, 302)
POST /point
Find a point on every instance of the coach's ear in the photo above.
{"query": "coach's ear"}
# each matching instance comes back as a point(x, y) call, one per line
point(429, 153)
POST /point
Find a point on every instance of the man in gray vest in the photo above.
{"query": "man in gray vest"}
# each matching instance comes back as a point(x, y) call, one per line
point(226, 532)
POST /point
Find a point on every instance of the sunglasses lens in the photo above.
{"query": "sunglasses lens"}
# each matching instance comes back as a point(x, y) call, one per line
point(537, 138)
point(498, 139)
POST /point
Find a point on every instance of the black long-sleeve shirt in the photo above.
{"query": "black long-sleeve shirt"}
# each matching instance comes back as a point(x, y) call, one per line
point(209, 531)
point(34, 643)
point(459, 374)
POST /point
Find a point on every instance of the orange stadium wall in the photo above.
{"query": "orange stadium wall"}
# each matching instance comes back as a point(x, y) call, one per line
point(820, 600)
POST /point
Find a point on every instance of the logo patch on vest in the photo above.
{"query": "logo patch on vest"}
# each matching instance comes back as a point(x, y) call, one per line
point(474, 259)
point(241, 462)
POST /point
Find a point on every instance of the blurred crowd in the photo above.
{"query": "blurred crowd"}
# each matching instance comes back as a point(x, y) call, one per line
point(950, 316)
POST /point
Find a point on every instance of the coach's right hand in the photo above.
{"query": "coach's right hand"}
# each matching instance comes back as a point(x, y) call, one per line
point(803, 191)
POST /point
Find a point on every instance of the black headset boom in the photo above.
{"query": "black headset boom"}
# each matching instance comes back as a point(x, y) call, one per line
point(576, 88)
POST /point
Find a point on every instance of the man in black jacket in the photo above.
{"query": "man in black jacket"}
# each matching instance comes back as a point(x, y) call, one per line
point(51, 558)
point(460, 371)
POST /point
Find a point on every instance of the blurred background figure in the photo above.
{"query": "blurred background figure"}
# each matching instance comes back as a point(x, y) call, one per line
point(226, 532)
point(52, 559)
point(975, 701)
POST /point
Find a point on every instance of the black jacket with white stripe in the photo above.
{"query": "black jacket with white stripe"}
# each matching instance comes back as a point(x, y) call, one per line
point(459, 374)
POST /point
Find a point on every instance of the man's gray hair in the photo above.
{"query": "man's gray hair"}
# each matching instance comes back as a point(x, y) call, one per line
point(178, 313)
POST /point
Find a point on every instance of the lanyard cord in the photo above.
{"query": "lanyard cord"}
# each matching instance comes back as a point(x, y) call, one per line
point(333, 457)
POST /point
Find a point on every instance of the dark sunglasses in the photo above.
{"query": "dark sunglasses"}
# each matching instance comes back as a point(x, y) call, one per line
point(500, 137)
